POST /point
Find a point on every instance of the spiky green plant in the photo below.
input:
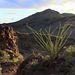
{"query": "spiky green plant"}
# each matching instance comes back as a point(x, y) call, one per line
point(61, 39)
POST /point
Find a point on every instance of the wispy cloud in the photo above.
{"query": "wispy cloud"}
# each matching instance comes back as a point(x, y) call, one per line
point(62, 6)
point(11, 13)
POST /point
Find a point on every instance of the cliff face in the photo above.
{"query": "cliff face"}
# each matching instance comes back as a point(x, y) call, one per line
point(8, 43)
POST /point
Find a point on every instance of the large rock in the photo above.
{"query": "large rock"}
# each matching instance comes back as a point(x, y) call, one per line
point(8, 40)
point(8, 44)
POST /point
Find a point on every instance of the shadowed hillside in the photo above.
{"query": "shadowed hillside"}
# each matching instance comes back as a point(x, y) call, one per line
point(27, 44)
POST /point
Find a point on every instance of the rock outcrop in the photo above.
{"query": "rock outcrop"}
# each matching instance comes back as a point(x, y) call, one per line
point(8, 45)
point(8, 40)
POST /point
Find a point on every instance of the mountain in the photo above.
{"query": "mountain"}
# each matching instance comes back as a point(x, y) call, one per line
point(45, 19)
point(37, 20)
point(68, 14)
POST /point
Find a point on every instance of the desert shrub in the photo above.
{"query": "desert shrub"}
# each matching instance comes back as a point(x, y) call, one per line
point(33, 64)
point(69, 54)
point(73, 70)
point(47, 57)
point(19, 58)
point(70, 51)
point(5, 57)
point(15, 60)
point(53, 48)
point(70, 63)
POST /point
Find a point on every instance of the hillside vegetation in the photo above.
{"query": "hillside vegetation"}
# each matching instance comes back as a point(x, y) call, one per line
point(51, 55)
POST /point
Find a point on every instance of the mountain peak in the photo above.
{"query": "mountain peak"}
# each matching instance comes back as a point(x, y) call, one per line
point(50, 11)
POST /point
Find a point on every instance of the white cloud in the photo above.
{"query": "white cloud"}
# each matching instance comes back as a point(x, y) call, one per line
point(71, 10)
point(68, 6)
point(62, 7)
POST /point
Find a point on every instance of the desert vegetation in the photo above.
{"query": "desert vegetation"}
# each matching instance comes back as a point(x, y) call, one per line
point(44, 50)
point(61, 39)
point(58, 52)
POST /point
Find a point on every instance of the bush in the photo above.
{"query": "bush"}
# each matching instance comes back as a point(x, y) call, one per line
point(15, 60)
point(53, 48)
point(19, 58)
point(73, 70)
point(70, 51)
point(4, 56)
point(70, 63)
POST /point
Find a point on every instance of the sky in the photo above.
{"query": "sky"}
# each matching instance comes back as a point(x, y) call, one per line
point(14, 10)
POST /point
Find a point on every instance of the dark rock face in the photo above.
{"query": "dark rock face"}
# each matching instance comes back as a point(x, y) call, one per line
point(8, 40)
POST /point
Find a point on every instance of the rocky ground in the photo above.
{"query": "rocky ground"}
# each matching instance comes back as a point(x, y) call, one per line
point(9, 68)
point(35, 64)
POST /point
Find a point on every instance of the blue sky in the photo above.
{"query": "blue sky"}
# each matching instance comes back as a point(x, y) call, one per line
point(14, 10)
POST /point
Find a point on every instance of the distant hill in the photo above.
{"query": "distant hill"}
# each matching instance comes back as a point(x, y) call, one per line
point(68, 14)
point(45, 19)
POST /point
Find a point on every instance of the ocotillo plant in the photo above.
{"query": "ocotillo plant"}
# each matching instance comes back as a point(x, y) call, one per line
point(52, 48)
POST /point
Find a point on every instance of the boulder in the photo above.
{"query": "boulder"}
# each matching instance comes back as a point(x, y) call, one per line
point(8, 43)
